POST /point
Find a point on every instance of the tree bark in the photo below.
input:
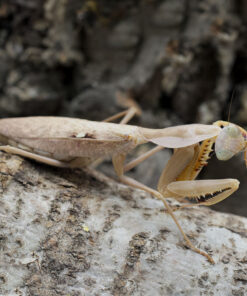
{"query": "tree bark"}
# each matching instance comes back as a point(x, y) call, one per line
point(181, 60)
point(77, 232)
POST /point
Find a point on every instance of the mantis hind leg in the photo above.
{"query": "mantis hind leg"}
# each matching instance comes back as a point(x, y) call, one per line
point(37, 157)
point(133, 109)
point(118, 162)
point(127, 115)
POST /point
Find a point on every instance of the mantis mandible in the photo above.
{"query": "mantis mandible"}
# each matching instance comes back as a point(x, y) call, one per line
point(69, 142)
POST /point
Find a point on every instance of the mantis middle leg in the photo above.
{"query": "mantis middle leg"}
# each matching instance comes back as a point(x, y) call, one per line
point(118, 162)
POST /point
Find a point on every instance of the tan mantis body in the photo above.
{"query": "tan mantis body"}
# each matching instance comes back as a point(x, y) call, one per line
point(67, 142)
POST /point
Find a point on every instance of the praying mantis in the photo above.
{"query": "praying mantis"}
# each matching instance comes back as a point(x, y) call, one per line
point(70, 142)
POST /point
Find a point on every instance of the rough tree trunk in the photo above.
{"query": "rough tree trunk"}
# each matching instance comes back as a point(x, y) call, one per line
point(179, 59)
point(73, 232)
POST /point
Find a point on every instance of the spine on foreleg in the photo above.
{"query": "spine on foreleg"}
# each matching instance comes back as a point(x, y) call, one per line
point(204, 155)
point(200, 159)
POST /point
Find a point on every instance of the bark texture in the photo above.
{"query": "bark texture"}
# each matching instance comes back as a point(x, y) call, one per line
point(73, 232)
point(181, 60)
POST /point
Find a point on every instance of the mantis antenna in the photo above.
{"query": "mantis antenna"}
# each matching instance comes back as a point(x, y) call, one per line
point(232, 96)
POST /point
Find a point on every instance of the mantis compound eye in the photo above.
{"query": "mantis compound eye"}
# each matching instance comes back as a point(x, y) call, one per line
point(229, 142)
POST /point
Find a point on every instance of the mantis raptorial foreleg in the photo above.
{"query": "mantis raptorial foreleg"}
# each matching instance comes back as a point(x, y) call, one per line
point(177, 179)
point(179, 161)
point(118, 163)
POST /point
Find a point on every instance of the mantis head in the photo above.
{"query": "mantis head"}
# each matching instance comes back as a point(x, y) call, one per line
point(231, 140)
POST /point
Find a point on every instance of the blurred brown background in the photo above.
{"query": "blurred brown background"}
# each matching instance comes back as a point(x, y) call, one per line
point(181, 60)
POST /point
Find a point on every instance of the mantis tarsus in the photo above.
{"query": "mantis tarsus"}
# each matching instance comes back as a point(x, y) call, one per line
point(69, 142)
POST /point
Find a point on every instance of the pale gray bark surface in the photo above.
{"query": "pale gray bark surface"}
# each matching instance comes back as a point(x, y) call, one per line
point(73, 232)
point(181, 60)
